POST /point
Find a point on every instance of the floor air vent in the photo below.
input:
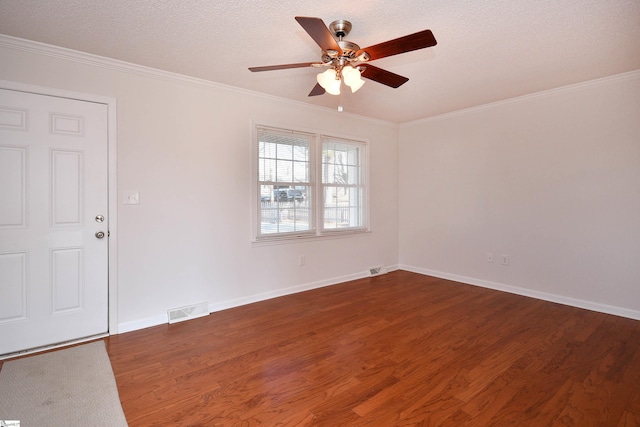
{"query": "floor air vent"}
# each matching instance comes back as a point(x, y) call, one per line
point(188, 312)
point(377, 271)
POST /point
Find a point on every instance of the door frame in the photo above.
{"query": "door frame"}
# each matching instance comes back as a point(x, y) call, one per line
point(112, 255)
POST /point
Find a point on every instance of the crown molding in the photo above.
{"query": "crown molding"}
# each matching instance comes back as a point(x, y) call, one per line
point(603, 81)
point(63, 53)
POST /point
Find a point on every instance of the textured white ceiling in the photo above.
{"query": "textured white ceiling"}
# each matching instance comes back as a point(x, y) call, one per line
point(487, 50)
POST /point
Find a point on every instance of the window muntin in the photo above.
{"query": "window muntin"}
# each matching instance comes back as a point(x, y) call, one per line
point(308, 184)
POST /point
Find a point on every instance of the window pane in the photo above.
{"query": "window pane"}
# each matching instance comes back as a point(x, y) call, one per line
point(342, 207)
point(300, 172)
point(267, 149)
point(267, 170)
point(301, 153)
point(285, 210)
point(284, 180)
point(284, 170)
point(340, 163)
point(284, 151)
point(353, 175)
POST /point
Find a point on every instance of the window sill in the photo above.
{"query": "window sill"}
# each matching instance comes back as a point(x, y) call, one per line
point(281, 240)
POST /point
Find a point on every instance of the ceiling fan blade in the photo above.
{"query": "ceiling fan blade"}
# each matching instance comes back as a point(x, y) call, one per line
point(284, 66)
point(415, 41)
point(317, 90)
point(319, 33)
point(383, 76)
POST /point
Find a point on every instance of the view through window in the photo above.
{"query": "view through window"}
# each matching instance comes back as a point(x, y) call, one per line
point(291, 202)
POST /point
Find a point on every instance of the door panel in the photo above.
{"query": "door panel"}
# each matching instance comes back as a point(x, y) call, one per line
point(53, 183)
point(13, 166)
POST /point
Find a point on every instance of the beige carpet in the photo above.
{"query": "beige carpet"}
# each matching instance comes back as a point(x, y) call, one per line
point(69, 387)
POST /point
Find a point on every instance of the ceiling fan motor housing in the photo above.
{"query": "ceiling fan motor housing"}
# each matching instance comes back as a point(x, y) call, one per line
point(349, 49)
point(340, 28)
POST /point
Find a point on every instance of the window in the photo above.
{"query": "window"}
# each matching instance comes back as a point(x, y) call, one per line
point(342, 185)
point(284, 180)
point(308, 185)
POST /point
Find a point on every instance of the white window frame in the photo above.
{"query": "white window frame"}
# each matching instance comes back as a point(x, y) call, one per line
point(360, 210)
point(316, 188)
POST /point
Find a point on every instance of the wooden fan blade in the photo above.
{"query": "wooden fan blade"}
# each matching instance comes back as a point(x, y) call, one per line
point(415, 41)
point(317, 90)
point(383, 76)
point(284, 66)
point(319, 33)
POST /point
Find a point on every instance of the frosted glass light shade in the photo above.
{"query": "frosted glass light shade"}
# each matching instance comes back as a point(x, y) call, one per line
point(327, 79)
point(352, 78)
point(356, 85)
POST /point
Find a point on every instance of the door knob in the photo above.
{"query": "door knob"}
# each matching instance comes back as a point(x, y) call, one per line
point(100, 234)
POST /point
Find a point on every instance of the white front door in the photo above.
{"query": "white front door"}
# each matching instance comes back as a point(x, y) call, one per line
point(53, 201)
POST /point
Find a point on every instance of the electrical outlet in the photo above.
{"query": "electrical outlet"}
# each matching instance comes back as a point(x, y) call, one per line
point(505, 259)
point(301, 260)
point(489, 256)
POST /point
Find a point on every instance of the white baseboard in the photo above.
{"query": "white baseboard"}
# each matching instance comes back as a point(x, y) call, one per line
point(142, 323)
point(236, 302)
point(573, 302)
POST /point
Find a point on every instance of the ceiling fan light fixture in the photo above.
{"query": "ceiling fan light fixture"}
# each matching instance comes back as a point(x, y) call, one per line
point(356, 85)
point(329, 81)
point(352, 78)
point(340, 55)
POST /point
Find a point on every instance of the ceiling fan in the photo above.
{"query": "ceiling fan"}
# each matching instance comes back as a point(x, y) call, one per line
point(346, 62)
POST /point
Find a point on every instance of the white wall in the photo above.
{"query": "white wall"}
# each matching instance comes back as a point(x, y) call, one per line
point(551, 180)
point(185, 147)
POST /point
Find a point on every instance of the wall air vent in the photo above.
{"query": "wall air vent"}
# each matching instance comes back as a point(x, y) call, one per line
point(377, 271)
point(180, 314)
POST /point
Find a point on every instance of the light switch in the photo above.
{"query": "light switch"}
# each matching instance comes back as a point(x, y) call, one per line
point(132, 199)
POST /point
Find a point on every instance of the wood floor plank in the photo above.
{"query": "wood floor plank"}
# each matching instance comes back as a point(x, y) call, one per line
point(400, 349)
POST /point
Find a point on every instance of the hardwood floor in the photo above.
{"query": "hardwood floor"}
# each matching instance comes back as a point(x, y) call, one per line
point(396, 350)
